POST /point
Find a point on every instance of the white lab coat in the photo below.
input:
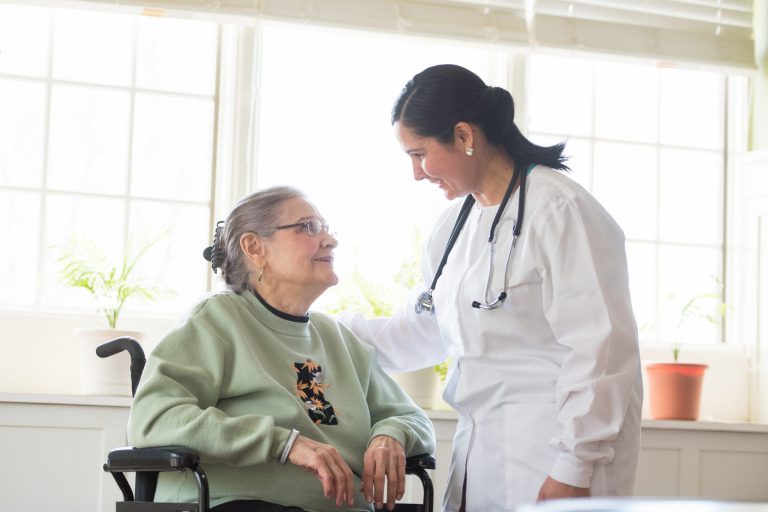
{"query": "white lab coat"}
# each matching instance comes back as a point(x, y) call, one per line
point(550, 382)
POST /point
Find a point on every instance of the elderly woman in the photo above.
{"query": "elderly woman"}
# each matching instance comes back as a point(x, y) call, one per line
point(286, 408)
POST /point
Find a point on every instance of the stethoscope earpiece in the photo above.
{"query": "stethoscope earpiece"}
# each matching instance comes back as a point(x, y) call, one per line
point(493, 305)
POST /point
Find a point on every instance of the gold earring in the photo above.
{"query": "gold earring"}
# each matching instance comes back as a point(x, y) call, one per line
point(469, 151)
point(261, 273)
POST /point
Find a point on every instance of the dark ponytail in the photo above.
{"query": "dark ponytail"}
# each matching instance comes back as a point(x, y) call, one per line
point(435, 100)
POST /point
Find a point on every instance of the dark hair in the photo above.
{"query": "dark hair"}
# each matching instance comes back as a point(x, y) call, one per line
point(435, 100)
point(255, 213)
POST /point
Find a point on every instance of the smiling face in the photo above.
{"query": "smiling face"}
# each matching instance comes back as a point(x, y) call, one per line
point(297, 266)
point(447, 166)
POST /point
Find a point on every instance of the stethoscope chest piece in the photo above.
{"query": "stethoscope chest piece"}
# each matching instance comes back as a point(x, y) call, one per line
point(425, 303)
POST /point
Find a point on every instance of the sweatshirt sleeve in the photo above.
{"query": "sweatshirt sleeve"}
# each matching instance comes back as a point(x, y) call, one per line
point(176, 402)
point(587, 304)
point(394, 414)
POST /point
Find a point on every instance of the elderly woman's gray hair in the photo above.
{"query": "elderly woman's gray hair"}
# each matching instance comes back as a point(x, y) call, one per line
point(256, 213)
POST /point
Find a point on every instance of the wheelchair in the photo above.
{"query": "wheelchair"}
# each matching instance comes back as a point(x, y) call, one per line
point(148, 463)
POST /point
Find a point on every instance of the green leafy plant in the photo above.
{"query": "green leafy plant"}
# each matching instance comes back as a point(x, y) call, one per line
point(707, 306)
point(85, 265)
point(442, 369)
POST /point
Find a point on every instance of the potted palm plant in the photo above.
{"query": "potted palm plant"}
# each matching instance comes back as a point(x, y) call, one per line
point(111, 284)
point(675, 388)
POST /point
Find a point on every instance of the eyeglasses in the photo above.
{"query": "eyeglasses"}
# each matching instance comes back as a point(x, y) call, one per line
point(313, 227)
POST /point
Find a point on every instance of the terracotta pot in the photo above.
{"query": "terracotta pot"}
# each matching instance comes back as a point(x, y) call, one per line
point(108, 376)
point(675, 390)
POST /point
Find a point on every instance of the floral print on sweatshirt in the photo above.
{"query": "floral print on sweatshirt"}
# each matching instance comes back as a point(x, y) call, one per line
point(310, 389)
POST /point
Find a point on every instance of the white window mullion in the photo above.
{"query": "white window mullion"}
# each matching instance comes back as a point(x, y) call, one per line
point(215, 142)
point(252, 99)
point(46, 135)
point(657, 240)
point(131, 119)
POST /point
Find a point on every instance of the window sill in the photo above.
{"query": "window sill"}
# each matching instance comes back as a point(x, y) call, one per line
point(54, 399)
point(705, 424)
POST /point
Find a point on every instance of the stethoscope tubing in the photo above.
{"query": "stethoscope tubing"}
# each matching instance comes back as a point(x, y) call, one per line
point(425, 301)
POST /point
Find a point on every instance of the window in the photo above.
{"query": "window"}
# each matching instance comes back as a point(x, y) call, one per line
point(116, 141)
point(642, 141)
point(108, 130)
point(324, 127)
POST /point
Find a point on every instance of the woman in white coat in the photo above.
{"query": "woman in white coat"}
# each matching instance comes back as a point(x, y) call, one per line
point(528, 293)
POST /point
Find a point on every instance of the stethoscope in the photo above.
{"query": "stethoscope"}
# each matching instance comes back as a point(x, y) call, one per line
point(425, 302)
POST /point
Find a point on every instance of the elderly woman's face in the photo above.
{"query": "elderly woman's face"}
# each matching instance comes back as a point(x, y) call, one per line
point(295, 256)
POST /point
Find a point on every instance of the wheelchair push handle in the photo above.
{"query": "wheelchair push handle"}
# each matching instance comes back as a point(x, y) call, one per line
point(133, 348)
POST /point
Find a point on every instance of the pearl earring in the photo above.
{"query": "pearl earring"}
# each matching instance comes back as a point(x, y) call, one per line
point(469, 151)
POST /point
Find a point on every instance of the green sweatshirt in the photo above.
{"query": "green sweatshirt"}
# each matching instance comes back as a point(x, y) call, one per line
point(232, 380)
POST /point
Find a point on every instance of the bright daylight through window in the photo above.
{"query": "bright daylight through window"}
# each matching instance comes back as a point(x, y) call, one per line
point(116, 141)
point(110, 143)
point(641, 142)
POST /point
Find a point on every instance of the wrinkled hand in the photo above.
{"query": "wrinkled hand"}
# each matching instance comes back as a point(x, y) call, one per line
point(325, 462)
point(384, 457)
point(553, 489)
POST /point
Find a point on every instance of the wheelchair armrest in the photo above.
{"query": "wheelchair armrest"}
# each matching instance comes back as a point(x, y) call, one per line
point(423, 461)
point(147, 463)
point(418, 465)
point(177, 458)
point(162, 458)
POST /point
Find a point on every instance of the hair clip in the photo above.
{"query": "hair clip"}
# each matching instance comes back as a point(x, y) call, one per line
point(215, 253)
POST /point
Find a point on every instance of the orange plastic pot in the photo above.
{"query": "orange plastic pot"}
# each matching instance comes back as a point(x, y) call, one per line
point(675, 390)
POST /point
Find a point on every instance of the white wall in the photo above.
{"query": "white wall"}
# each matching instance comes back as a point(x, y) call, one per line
point(39, 353)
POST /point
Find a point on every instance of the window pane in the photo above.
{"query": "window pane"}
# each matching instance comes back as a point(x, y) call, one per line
point(334, 139)
point(75, 128)
point(172, 140)
point(692, 109)
point(22, 131)
point(20, 214)
point(93, 47)
point(97, 219)
point(691, 196)
point(24, 40)
point(88, 139)
point(561, 100)
point(641, 258)
point(626, 102)
point(579, 153)
point(625, 184)
point(176, 261)
point(176, 55)
point(684, 273)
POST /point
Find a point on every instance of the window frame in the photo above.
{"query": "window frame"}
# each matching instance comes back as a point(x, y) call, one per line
point(235, 151)
point(734, 143)
point(217, 166)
